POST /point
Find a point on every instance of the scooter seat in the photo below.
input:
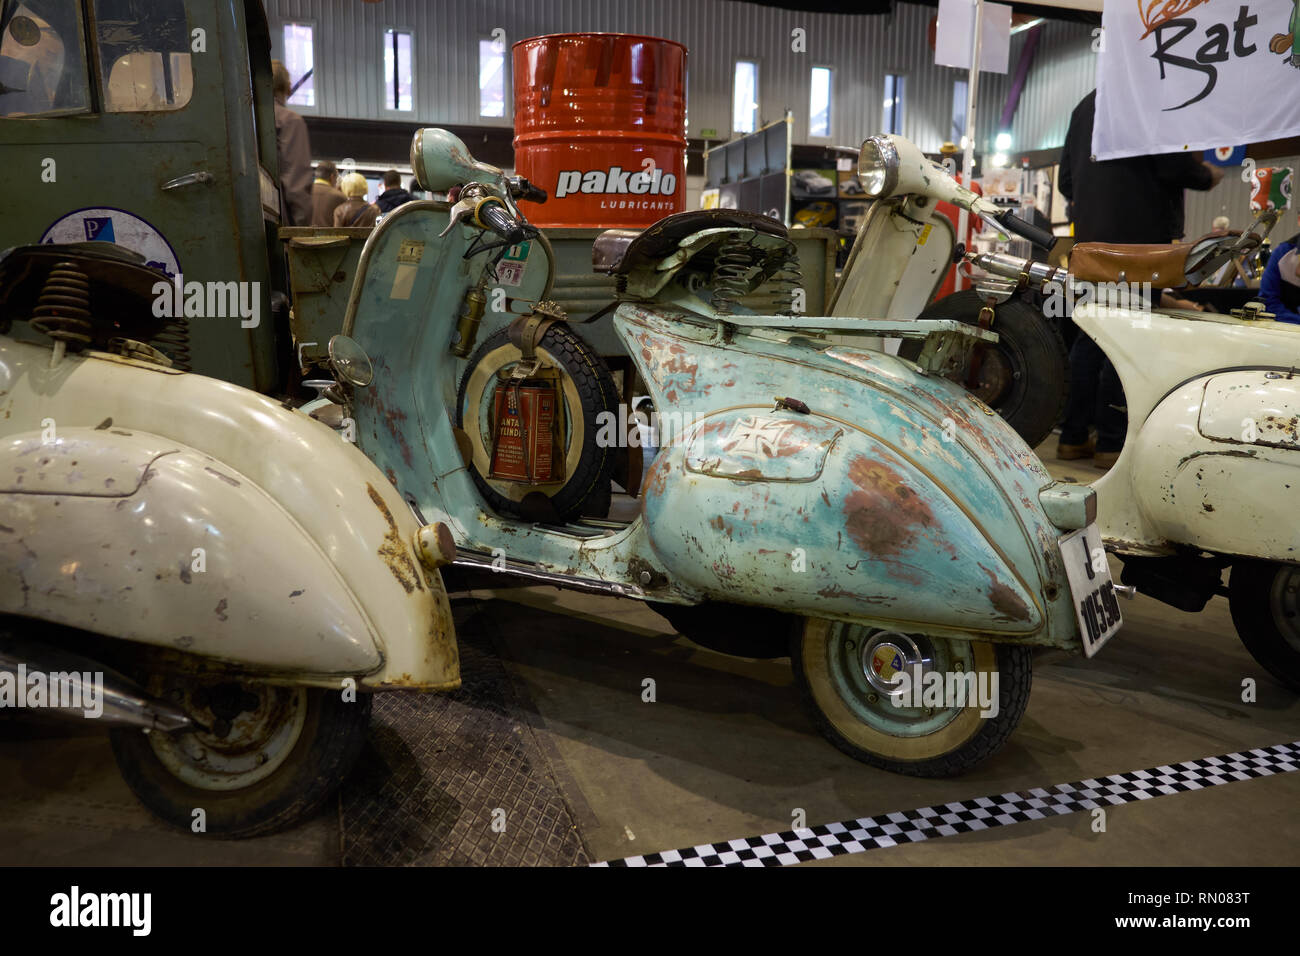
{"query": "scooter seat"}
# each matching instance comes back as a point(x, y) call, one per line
point(1164, 266)
point(618, 251)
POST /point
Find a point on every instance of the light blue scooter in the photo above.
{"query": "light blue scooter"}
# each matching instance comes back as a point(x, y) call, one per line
point(900, 532)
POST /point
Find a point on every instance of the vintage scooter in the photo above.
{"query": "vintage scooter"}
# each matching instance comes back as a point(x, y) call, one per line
point(1209, 477)
point(902, 530)
point(211, 574)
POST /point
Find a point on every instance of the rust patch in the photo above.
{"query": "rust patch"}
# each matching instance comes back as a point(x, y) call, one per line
point(882, 515)
point(392, 550)
point(1004, 600)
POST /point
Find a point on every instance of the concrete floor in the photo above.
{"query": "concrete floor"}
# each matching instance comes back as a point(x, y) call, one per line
point(727, 752)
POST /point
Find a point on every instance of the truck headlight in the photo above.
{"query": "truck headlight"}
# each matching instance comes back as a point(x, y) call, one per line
point(878, 166)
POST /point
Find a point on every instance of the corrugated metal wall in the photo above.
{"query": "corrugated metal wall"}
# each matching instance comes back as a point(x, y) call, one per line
point(861, 49)
point(1064, 70)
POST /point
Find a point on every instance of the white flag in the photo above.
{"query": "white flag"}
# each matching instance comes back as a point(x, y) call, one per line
point(1178, 75)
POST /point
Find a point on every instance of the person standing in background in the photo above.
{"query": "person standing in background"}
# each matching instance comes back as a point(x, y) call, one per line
point(325, 194)
point(1137, 199)
point(1279, 287)
point(356, 211)
point(393, 195)
point(293, 151)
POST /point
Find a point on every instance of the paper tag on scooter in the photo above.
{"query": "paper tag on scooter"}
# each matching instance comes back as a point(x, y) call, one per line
point(403, 281)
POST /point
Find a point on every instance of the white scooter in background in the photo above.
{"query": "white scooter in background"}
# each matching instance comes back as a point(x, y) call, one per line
point(1209, 478)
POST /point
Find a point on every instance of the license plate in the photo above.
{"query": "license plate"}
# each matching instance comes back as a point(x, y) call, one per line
point(1095, 604)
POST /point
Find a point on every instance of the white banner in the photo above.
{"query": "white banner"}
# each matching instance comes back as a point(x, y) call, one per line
point(1178, 75)
point(956, 29)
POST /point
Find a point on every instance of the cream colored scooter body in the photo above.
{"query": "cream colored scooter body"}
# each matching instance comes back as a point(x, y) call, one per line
point(113, 472)
point(1212, 454)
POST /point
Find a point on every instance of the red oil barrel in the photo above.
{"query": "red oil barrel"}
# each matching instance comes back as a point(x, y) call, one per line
point(600, 124)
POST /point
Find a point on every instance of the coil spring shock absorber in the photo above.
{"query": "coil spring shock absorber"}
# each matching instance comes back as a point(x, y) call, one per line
point(63, 308)
point(786, 280)
point(732, 266)
point(174, 339)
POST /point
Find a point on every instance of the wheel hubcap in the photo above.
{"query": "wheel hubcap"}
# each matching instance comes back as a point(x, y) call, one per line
point(888, 657)
point(247, 732)
point(867, 667)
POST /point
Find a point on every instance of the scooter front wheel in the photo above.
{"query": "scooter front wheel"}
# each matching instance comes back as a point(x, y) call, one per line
point(1264, 599)
point(264, 758)
point(957, 705)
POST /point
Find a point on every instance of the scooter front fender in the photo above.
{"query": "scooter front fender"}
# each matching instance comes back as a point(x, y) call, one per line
point(818, 514)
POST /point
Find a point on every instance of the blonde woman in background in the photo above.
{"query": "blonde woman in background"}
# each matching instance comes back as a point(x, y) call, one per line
point(356, 211)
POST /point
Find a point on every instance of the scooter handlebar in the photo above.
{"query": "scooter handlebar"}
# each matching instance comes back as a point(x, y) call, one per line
point(493, 215)
point(1013, 223)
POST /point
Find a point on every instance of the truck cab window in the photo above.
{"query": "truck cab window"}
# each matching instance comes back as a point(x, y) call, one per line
point(144, 55)
point(42, 60)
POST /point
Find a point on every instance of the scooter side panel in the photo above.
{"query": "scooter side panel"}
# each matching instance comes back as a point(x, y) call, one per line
point(180, 559)
point(1218, 468)
point(341, 507)
point(843, 524)
point(970, 459)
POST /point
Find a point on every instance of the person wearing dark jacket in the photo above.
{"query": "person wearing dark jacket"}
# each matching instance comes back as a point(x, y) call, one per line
point(393, 195)
point(1136, 199)
point(293, 151)
point(1280, 285)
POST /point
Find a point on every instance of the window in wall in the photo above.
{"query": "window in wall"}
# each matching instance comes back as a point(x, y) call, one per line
point(959, 92)
point(893, 104)
point(144, 54)
point(397, 70)
point(744, 110)
point(819, 102)
point(42, 61)
point(299, 60)
point(491, 78)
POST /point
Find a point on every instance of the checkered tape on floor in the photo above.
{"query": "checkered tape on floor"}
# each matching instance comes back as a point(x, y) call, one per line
point(980, 813)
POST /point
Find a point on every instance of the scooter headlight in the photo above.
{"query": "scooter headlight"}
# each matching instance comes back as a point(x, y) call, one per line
point(878, 166)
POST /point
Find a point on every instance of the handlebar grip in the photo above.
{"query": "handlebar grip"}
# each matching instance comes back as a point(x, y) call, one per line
point(493, 215)
point(1026, 229)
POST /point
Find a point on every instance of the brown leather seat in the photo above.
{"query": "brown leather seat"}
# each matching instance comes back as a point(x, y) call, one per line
point(1161, 265)
point(618, 251)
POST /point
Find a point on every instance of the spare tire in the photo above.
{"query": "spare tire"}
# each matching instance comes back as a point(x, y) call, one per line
point(1025, 377)
point(588, 392)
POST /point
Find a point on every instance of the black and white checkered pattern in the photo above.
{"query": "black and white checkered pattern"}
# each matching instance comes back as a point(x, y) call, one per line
point(981, 813)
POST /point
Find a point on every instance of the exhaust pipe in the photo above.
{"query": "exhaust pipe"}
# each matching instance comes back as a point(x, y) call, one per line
point(71, 686)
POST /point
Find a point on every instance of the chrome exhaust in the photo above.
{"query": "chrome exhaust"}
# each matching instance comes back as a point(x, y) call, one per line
point(58, 682)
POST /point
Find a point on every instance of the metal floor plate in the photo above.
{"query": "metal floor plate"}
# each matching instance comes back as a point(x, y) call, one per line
point(457, 779)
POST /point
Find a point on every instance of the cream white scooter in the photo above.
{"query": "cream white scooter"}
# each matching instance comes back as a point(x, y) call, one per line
point(214, 576)
point(1209, 478)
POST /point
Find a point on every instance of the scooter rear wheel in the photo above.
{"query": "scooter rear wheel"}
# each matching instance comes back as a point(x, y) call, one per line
point(265, 759)
point(848, 677)
point(1264, 599)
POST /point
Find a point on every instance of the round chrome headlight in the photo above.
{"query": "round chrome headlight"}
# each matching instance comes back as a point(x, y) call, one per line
point(878, 166)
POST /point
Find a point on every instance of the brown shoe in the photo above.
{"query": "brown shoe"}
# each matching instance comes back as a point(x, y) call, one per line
point(1066, 452)
point(1105, 459)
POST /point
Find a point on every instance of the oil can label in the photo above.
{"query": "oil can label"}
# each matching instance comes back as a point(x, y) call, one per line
point(108, 224)
point(523, 437)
